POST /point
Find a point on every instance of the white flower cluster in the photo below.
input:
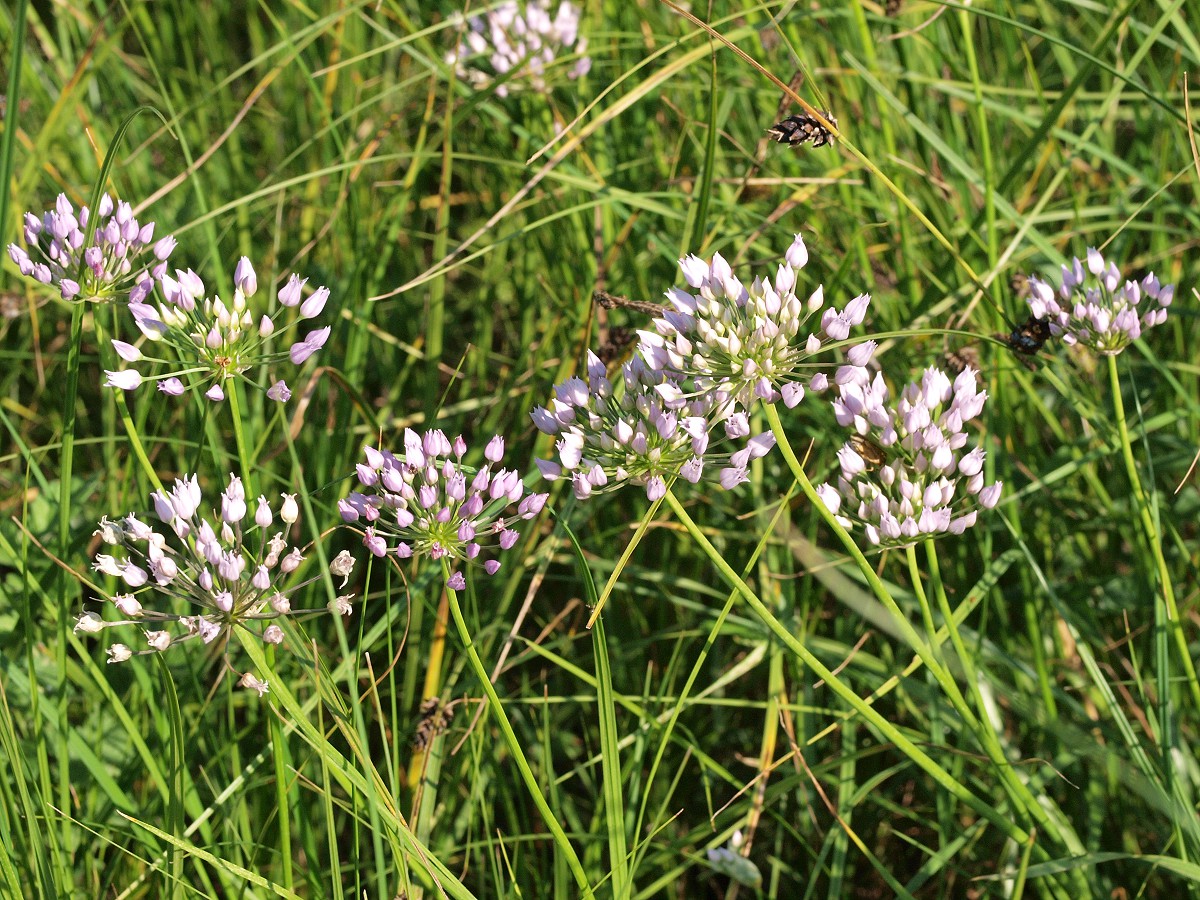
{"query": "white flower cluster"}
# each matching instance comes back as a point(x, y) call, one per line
point(223, 570)
point(215, 340)
point(750, 342)
point(904, 475)
point(516, 44)
point(643, 430)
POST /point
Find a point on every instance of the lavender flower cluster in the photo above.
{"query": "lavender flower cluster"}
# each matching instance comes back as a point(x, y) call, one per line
point(1101, 313)
point(516, 43)
point(905, 476)
point(219, 340)
point(93, 261)
point(222, 569)
point(428, 503)
point(710, 357)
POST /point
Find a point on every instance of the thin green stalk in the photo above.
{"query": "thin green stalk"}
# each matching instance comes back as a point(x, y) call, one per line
point(239, 434)
point(944, 679)
point(1166, 618)
point(984, 730)
point(66, 596)
point(514, 745)
point(135, 442)
point(906, 629)
point(1152, 538)
point(283, 805)
point(885, 728)
point(610, 764)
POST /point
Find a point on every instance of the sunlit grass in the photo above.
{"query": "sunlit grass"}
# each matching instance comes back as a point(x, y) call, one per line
point(1040, 662)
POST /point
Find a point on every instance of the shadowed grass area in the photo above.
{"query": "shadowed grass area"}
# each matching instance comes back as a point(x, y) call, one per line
point(462, 230)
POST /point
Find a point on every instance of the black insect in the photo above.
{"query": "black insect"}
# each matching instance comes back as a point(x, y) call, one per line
point(797, 130)
point(616, 344)
point(891, 9)
point(435, 718)
point(1029, 337)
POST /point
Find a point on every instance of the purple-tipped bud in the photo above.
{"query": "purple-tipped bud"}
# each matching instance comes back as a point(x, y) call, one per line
point(289, 294)
point(245, 278)
point(314, 304)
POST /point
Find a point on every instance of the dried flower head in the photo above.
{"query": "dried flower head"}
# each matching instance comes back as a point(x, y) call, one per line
point(1100, 312)
point(800, 129)
point(516, 43)
point(425, 502)
point(93, 261)
point(214, 340)
point(201, 576)
point(925, 484)
point(752, 342)
point(643, 430)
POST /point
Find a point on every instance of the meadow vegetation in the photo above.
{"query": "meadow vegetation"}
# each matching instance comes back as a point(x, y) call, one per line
point(572, 595)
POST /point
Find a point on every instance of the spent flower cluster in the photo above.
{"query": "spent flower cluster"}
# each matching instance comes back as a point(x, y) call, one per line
point(516, 42)
point(89, 260)
point(904, 475)
point(425, 502)
point(1100, 313)
point(214, 340)
point(223, 569)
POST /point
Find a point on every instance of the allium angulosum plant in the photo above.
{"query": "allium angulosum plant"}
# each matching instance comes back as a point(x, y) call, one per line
point(729, 352)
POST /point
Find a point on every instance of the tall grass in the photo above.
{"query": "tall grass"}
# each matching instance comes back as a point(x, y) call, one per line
point(745, 675)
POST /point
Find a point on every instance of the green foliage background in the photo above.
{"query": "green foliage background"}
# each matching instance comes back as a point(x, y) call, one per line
point(462, 235)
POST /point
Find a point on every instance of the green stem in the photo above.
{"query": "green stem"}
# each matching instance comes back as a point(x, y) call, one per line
point(940, 673)
point(906, 629)
point(239, 434)
point(135, 442)
point(1151, 532)
point(279, 755)
point(877, 721)
point(985, 731)
point(66, 596)
point(514, 746)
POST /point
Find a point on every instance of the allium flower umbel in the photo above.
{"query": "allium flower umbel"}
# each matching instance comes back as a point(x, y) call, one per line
point(905, 475)
point(515, 43)
point(197, 576)
point(1100, 312)
point(424, 502)
point(89, 260)
point(751, 342)
point(643, 430)
point(214, 340)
